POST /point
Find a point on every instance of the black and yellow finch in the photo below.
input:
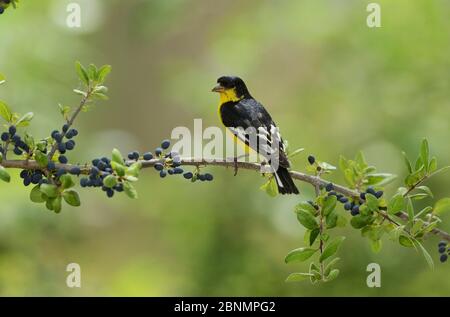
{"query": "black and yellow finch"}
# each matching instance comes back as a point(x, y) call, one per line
point(239, 110)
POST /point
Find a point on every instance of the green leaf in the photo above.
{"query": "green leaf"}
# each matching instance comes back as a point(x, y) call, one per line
point(82, 73)
point(4, 175)
point(298, 277)
point(5, 111)
point(326, 166)
point(380, 179)
point(360, 221)
point(441, 206)
point(424, 153)
point(376, 245)
point(410, 209)
point(66, 181)
point(423, 212)
point(2, 79)
point(329, 205)
point(56, 204)
point(405, 241)
point(307, 220)
point(313, 236)
point(426, 190)
point(71, 197)
point(300, 255)
point(103, 72)
point(41, 158)
point(333, 275)
point(270, 187)
point(330, 266)
point(349, 177)
point(118, 168)
point(49, 190)
point(433, 165)
point(134, 169)
point(36, 195)
point(25, 119)
point(360, 160)
point(331, 248)
point(130, 190)
point(396, 204)
point(407, 162)
point(331, 220)
point(425, 253)
point(117, 156)
point(110, 181)
point(372, 202)
point(343, 163)
point(305, 206)
point(80, 92)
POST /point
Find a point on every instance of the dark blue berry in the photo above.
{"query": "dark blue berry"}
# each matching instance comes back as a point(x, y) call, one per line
point(165, 144)
point(65, 127)
point(84, 182)
point(109, 192)
point(332, 193)
point(70, 145)
point(61, 147)
point(101, 165)
point(60, 172)
point(209, 177)
point(355, 210)
point(24, 173)
point(329, 187)
point(311, 159)
point(5, 136)
point(12, 130)
point(363, 196)
point(27, 181)
point(343, 200)
point(348, 206)
point(201, 177)
point(158, 151)
point(62, 159)
point(118, 188)
point(162, 174)
point(58, 137)
point(105, 160)
point(178, 170)
point(442, 243)
point(372, 191)
point(75, 170)
point(94, 171)
point(2, 10)
point(36, 177)
point(159, 166)
point(17, 151)
point(170, 171)
point(148, 156)
point(442, 249)
point(51, 166)
point(53, 134)
point(188, 175)
point(378, 194)
point(95, 162)
point(15, 138)
point(443, 258)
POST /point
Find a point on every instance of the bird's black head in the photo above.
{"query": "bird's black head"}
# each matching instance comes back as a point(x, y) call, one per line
point(232, 85)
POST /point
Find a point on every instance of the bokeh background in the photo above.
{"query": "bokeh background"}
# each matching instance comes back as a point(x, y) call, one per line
point(334, 86)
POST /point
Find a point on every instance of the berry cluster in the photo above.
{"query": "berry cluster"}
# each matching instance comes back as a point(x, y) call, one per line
point(100, 170)
point(64, 141)
point(19, 145)
point(444, 250)
point(32, 177)
point(198, 176)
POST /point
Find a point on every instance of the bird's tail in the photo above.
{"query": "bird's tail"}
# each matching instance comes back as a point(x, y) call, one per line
point(285, 182)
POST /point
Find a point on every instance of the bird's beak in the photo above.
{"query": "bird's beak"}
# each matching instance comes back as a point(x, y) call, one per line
point(218, 88)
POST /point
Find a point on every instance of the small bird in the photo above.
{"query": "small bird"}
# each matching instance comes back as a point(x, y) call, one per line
point(238, 109)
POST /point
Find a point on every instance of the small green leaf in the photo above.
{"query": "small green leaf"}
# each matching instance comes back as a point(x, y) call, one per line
point(36, 195)
point(427, 190)
point(423, 212)
point(360, 221)
point(307, 220)
point(396, 204)
point(313, 236)
point(82, 73)
point(56, 204)
point(330, 266)
point(333, 275)
point(2, 79)
point(103, 72)
point(405, 241)
point(66, 181)
point(41, 158)
point(372, 202)
point(407, 162)
point(71, 197)
point(376, 245)
point(380, 179)
point(410, 209)
point(92, 72)
point(442, 206)
point(270, 187)
point(298, 277)
point(331, 248)
point(300, 255)
point(433, 165)
point(49, 190)
point(305, 206)
point(118, 168)
point(331, 220)
point(130, 190)
point(424, 153)
point(329, 204)
point(110, 181)
point(326, 166)
point(4, 175)
point(425, 253)
point(134, 169)
point(5, 112)
point(25, 119)
point(296, 152)
point(117, 156)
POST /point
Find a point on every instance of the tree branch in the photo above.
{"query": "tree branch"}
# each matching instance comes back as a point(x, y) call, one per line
point(310, 179)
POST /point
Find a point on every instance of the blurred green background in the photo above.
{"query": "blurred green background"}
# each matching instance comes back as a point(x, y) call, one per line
point(334, 86)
